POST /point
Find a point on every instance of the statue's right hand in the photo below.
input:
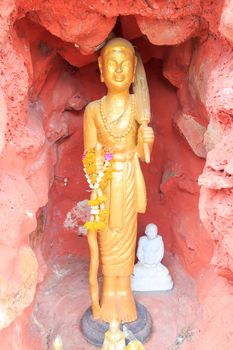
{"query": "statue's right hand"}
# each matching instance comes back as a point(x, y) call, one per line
point(99, 163)
point(99, 158)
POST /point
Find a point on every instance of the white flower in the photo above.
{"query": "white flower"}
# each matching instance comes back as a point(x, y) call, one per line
point(99, 192)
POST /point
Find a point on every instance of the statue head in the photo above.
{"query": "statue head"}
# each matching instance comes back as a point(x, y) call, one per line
point(117, 63)
point(151, 231)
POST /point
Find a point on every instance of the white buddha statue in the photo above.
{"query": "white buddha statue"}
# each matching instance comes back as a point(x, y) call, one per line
point(149, 273)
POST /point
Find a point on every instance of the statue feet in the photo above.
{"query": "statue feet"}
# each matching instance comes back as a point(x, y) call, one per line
point(118, 300)
point(108, 307)
point(127, 308)
point(94, 330)
point(123, 306)
point(125, 300)
point(96, 312)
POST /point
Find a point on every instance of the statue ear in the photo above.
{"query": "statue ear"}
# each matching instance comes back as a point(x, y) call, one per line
point(101, 70)
point(135, 67)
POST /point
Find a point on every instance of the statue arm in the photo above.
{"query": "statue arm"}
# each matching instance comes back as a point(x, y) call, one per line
point(145, 135)
point(89, 128)
point(140, 149)
point(161, 251)
point(90, 140)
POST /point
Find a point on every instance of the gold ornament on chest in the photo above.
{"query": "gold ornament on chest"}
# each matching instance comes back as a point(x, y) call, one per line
point(118, 136)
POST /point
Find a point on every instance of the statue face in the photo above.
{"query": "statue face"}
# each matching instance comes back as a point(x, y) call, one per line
point(117, 66)
point(151, 231)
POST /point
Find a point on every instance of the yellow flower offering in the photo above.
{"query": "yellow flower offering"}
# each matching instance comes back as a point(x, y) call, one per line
point(97, 180)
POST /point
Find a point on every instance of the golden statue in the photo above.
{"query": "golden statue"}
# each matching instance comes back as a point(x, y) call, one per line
point(117, 123)
point(134, 344)
point(115, 339)
point(57, 344)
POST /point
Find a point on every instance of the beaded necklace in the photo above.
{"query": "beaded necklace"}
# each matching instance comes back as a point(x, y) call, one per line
point(117, 137)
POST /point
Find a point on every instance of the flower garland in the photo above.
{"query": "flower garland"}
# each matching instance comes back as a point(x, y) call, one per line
point(97, 180)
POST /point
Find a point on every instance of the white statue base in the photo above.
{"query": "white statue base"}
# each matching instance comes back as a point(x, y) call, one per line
point(149, 273)
point(148, 279)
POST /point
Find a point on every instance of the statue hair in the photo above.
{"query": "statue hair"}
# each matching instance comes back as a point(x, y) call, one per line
point(117, 42)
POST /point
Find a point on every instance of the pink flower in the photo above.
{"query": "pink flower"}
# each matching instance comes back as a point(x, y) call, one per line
point(83, 155)
point(108, 156)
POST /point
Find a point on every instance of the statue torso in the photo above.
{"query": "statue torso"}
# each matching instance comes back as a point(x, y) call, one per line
point(151, 248)
point(119, 134)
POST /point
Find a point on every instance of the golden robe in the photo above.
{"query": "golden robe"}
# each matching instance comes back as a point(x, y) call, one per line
point(126, 195)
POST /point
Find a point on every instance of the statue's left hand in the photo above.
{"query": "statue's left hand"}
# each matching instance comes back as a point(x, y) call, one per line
point(146, 134)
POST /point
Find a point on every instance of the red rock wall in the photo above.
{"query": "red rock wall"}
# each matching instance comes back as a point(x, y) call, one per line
point(42, 98)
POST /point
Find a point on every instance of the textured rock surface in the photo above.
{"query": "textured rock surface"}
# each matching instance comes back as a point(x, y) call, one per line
point(42, 99)
point(67, 283)
point(226, 22)
point(176, 62)
point(192, 131)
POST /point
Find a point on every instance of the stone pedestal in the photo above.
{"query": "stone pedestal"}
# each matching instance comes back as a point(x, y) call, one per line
point(94, 330)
